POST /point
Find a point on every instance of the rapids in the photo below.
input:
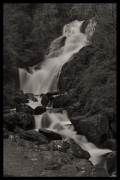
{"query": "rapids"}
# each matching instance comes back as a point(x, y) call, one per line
point(60, 123)
point(45, 79)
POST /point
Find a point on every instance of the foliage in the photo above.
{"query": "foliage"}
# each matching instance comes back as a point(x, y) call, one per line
point(30, 27)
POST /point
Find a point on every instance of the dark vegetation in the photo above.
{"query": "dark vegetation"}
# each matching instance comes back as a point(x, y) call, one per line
point(91, 74)
point(89, 80)
point(30, 27)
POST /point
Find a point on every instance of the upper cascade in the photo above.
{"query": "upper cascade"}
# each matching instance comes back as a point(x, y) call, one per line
point(61, 50)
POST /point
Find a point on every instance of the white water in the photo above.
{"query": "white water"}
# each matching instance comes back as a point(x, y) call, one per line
point(59, 123)
point(46, 79)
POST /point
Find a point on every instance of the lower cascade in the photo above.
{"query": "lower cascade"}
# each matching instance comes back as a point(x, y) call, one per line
point(45, 79)
point(60, 123)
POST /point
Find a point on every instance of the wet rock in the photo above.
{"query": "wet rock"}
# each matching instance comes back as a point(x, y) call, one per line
point(60, 101)
point(56, 44)
point(10, 120)
point(77, 151)
point(71, 146)
point(31, 97)
point(111, 163)
point(28, 69)
point(111, 144)
point(24, 108)
point(39, 110)
point(5, 133)
point(93, 128)
point(34, 136)
point(63, 101)
point(75, 120)
point(50, 94)
point(62, 146)
point(44, 101)
point(50, 134)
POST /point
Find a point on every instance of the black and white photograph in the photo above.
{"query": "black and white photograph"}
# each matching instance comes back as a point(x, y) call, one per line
point(59, 90)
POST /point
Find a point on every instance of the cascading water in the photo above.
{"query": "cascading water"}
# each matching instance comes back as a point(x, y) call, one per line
point(60, 123)
point(46, 78)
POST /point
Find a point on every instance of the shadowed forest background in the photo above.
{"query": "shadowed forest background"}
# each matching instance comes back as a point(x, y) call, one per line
point(30, 27)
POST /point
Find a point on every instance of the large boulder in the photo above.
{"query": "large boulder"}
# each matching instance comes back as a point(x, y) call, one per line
point(63, 101)
point(94, 128)
point(60, 101)
point(31, 97)
point(39, 110)
point(75, 120)
point(71, 146)
point(56, 44)
point(45, 100)
point(51, 135)
point(34, 136)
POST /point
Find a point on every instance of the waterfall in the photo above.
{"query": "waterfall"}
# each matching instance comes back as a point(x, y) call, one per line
point(46, 78)
point(61, 50)
point(59, 123)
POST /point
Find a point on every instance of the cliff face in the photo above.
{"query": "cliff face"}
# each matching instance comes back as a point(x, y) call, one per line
point(91, 77)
